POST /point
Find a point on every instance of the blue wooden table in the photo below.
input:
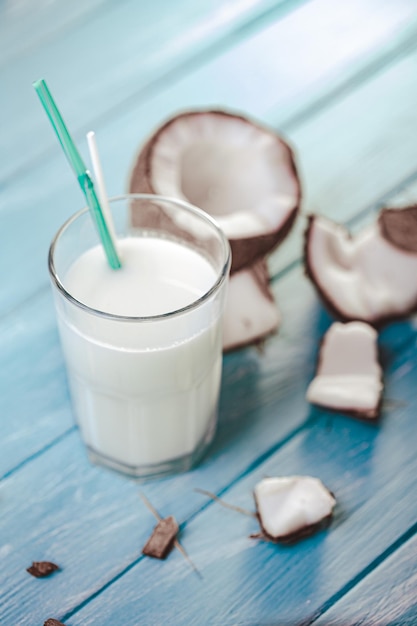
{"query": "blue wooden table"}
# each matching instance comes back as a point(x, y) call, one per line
point(339, 80)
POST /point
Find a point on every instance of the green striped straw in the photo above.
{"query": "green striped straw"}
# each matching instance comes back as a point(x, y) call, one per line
point(83, 175)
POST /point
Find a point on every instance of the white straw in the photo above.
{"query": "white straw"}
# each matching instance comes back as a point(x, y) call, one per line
point(101, 188)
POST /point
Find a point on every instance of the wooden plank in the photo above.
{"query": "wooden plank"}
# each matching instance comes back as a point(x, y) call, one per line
point(268, 71)
point(34, 399)
point(361, 156)
point(110, 59)
point(386, 596)
point(24, 26)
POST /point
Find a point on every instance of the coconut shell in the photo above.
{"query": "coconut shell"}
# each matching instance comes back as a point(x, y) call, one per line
point(162, 540)
point(246, 250)
point(295, 537)
point(330, 302)
point(399, 227)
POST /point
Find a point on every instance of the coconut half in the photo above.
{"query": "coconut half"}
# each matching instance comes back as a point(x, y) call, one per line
point(292, 507)
point(365, 277)
point(250, 313)
point(348, 377)
point(241, 173)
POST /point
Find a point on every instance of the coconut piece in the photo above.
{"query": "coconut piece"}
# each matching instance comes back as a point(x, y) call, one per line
point(349, 377)
point(292, 507)
point(399, 227)
point(238, 171)
point(364, 277)
point(250, 312)
point(42, 569)
point(162, 540)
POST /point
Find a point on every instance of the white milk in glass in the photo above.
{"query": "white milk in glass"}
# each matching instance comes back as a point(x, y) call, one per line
point(144, 393)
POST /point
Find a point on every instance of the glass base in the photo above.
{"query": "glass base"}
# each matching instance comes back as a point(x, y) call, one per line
point(155, 470)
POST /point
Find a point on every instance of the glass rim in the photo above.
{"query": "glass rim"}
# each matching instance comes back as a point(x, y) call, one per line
point(221, 275)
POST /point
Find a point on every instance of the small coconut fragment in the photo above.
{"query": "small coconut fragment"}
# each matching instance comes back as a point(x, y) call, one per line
point(290, 508)
point(42, 569)
point(250, 313)
point(349, 377)
point(364, 277)
point(238, 171)
point(162, 540)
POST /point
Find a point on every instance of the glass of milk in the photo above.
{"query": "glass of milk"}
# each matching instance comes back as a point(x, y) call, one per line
point(143, 344)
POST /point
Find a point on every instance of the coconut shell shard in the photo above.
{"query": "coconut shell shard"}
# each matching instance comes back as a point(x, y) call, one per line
point(238, 171)
point(364, 277)
point(250, 314)
point(399, 227)
point(42, 569)
point(348, 377)
point(290, 508)
point(162, 540)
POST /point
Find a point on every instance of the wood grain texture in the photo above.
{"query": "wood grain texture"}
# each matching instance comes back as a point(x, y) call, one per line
point(387, 597)
point(34, 402)
point(25, 26)
point(268, 69)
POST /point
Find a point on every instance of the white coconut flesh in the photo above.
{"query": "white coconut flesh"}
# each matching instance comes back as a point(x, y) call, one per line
point(348, 376)
point(287, 505)
point(363, 277)
point(236, 171)
point(250, 312)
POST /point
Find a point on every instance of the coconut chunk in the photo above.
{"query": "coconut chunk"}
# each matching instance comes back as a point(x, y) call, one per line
point(238, 171)
point(250, 313)
point(364, 277)
point(349, 377)
point(162, 540)
point(292, 507)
